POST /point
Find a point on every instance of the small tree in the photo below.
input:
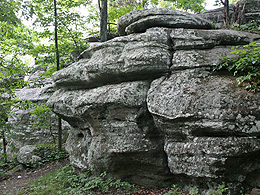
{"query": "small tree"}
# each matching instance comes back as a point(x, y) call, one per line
point(3, 125)
point(15, 42)
point(58, 68)
point(226, 11)
point(64, 39)
point(44, 119)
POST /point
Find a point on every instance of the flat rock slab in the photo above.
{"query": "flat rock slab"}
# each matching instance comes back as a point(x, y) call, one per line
point(140, 20)
point(206, 39)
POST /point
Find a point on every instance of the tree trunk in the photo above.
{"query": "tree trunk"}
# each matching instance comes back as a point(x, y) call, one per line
point(103, 20)
point(58, 68)
point(4, 145)
point(56, 36)
point(226, 12)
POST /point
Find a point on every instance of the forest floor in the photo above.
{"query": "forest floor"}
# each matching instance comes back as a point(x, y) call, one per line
point(22, 179)
point(20, 182)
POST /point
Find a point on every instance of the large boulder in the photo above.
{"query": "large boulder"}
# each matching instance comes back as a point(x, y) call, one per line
point(186, 39)
point(111, 123)
point(139, 20)
point(211, 127)
point(147, 108)
point(27, 157)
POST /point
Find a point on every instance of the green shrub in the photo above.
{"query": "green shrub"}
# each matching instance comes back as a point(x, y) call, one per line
point(175, 190)
point(221, 188)
point(253, 26)
point(48, 153)
point(6, 166)
point(65, 181)
point(245, 65)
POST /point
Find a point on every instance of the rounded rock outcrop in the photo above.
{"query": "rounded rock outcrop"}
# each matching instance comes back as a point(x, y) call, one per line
point(27, 157)
point(140, 20)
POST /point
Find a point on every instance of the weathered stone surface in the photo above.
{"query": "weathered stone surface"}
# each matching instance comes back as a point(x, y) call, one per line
point(139, 20)
point(211, 157)
point(77, 104)
point(184, 59)
point(204, 39)
point(197, 94)
point(77, 145)
point(252, 9)
point(113, 132)
point(26, 155)
point(207, 122)
point(147, 108)
point(140, 57)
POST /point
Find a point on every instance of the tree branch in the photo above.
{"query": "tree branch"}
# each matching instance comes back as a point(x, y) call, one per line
point(73, 38)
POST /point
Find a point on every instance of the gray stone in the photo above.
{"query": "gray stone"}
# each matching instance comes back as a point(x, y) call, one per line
point(113, 132)
point(216, 16)
point(210, 157)
point(205, 39)
point(147, 108)
point(27, 157)
point(139, 20)
point(134, 57)
point(74, 105)
point(214, 101)
point(208, 122)
point(184, 59)
point(252, 9)
point(142, 56)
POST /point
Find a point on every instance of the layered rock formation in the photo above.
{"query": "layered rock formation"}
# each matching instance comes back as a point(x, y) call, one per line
point(147, 108)
point(24, 132)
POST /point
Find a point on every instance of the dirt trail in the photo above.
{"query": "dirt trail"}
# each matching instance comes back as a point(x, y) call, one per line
point(20, 180)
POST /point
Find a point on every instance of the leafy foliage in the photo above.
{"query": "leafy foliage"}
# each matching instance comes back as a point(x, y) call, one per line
point(245, 65)
point(253, 26)
point(221, 188)
point(66, 181)
point(191, 5)
point(44, 119)
point(175, 190)
point(8, 11)
point(15, 42)
point(48, 153)
point(115, 12)
point(71, 26)
point(6, 166)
